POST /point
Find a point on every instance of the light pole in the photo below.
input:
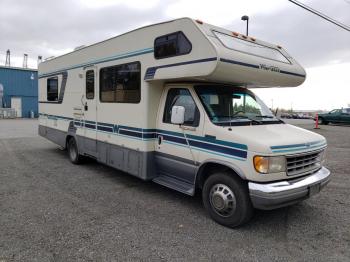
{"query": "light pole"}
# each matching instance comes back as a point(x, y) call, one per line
point(245, 18)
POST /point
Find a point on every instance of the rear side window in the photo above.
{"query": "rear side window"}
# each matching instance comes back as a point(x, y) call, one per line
point(52, 89)
point(174, 44)
point(181, 97)
point(90, 84)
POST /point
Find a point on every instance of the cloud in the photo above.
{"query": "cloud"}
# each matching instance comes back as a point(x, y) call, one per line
point(53, 27)
point(309, 39)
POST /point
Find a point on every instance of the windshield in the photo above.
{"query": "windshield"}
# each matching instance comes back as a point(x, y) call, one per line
point(231, 105)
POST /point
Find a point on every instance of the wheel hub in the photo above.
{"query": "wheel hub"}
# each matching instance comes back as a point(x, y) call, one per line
point(222, 199)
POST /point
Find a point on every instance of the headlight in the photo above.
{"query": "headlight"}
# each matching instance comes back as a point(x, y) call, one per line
point(322, 157)
point(270, 164)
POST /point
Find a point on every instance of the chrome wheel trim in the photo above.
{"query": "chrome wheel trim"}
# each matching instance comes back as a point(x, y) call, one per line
point(222, 200)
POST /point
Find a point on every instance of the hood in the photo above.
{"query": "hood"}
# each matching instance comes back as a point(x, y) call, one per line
point(276, 138)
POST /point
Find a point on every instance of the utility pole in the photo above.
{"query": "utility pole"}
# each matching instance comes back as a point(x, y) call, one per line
point(40, 59)
point(8, 58)
point(25, 61)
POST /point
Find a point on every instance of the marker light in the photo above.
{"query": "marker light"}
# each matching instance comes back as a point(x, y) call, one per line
point(244, 36)
point(252, 38)
point(235, 34)
point(199, 21)
point(280, 47)
point(272, 164)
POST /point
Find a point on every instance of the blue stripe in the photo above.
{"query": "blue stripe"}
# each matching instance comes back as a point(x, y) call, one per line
point(104, 128)
point(130, 133)
point(256, 66)
point(291, 73)
point(220, 142)
point(219, 146)
point(151, 71)
point(105, 124)
point(99, 61)
point(238, 63)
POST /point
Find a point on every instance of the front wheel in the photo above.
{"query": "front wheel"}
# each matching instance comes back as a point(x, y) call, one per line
point(226, 199)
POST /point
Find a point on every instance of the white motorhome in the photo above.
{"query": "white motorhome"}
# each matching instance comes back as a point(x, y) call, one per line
point(172, 103)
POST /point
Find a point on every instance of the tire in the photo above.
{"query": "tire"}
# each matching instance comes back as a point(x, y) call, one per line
point(226, 199)
point(73, 151)
point(321, 121)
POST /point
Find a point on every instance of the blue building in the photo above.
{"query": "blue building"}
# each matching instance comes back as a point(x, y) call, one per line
point(20, 87)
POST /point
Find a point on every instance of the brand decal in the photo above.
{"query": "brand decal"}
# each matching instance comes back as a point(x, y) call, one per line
point(269, 68)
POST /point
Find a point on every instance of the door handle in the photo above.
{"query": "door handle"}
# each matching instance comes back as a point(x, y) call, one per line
point(160, 140)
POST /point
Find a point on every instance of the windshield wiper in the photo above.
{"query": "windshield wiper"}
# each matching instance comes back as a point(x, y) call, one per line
point(246, 117)
point(264, 116)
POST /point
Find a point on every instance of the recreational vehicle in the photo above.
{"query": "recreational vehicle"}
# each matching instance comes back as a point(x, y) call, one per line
point(173, 103)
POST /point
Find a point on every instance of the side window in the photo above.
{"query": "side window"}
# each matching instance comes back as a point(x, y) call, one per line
point(121, 83)
point(174, 44)
point(52, 89)
point(90, 84)
point(181, 97)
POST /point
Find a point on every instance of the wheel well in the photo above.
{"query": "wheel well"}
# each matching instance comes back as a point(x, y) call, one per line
point(210, 168)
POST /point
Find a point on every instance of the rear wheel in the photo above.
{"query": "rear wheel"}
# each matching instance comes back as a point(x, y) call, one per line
point(321, 121)
point(73, 151)
point(226, 199)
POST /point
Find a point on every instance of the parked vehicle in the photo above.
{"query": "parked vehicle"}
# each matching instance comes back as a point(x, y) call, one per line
point(170, 103)
point(335, 116)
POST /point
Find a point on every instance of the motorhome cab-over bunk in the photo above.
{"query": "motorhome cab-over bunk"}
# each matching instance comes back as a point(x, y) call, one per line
point(172, 103)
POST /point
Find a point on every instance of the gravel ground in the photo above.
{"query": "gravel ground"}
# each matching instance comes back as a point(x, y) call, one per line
point(51, 210)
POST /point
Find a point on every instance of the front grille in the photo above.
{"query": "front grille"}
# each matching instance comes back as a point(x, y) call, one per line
point(304, 163)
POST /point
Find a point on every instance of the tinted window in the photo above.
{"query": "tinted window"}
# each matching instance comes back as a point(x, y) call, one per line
point(90, 84)
point(52, 89)
point(181, 97)
point(121, 83)
point(171, 45)
point(249, 47)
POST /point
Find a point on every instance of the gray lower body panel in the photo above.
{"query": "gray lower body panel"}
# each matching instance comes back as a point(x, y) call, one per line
point(136, 163)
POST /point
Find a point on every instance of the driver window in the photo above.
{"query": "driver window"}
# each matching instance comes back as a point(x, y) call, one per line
point(181, 97)
point(245, 104)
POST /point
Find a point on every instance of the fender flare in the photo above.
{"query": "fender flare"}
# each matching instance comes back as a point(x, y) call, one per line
point(227, 164)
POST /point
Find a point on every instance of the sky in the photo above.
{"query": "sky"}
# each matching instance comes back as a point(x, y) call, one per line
point(51, 28)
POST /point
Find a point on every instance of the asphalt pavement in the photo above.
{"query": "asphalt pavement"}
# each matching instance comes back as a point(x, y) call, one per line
point(52, 210)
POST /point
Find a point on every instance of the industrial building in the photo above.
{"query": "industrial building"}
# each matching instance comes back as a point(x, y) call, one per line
point(19, 90)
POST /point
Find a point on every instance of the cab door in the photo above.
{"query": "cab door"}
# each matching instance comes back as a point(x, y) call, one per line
point(345, 115)
point(90, 112)
point(175, 155)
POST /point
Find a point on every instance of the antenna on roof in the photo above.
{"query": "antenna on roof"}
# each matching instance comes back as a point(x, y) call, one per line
point(25, 61)
point(8, 58)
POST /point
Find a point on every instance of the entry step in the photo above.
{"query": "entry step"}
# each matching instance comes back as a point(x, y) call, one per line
point(175, 184)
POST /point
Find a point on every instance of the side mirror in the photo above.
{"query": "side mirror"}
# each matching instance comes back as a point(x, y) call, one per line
point(178, 115)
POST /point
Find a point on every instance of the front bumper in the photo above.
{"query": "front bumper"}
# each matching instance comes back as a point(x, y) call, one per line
point(288, 192)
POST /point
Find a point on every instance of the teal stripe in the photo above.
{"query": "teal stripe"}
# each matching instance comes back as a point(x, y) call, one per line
point(295, 145)
point(102, 60)
point(298, 149)
point(203, 150)
point(205, 140)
